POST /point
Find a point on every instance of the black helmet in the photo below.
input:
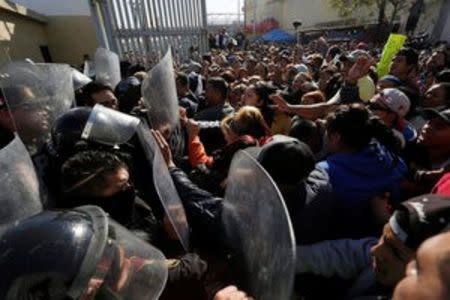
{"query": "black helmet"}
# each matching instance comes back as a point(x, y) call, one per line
point(67, 130)
point(77, 254)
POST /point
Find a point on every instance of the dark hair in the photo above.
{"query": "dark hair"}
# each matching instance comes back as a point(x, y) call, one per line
point(305, 131)
point(411, 55)
point(446, 87)
point(443, 76)
point(264, 90)
point(356, 127)
point(133, 69)
point(334, 50)
point(220, 85)
point(228, 76)
point(95, 164)
point(182, 78)
point(93, 88)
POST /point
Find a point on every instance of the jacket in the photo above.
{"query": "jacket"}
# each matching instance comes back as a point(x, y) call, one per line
point(358, 177)
point(203, 211)
point(344, 259)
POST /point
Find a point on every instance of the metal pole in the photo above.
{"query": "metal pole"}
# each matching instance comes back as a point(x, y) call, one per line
point(254, 17)
point(239, 13)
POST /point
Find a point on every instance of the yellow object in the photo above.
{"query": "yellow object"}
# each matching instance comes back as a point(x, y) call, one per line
point(366, 88)
point(393, 45)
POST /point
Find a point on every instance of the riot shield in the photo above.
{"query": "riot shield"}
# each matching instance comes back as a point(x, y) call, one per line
point(165, 187)
point(160, 95)
point(258, 230)
point(107, 67)
point(77, 254)
point(148, 272)
point(109, 127)
point(19, 184)
point(79, 79)
point(36, 94)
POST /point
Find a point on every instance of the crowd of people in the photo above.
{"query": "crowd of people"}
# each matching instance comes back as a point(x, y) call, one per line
point(360, 161)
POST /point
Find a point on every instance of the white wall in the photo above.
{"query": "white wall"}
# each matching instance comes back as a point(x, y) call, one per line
point(57, 7)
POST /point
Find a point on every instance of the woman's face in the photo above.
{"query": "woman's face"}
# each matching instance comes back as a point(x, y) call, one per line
point(250, 97)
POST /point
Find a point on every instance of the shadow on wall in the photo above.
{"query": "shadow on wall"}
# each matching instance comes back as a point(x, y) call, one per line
point(21, 37)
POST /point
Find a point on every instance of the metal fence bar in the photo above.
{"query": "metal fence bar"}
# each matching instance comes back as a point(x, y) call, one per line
point(124, 40)
point(115, 28)
point(139, 30)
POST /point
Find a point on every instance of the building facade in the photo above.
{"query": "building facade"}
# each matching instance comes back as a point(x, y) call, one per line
point(319, 13)
point(46, 30)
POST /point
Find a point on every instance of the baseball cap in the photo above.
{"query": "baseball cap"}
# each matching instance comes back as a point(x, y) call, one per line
point(286, 159)
point(420, 218)
point(431, 113)
point(395, 100)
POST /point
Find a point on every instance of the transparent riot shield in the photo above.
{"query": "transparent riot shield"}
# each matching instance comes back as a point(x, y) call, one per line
point(77, 254)
point(107, 67)
point(79, 79)
point(109, 127)
point(258, 230)
point(19, 184)
point(165, 187)
point(147, 266)
point(160, 96)
point(36, 95)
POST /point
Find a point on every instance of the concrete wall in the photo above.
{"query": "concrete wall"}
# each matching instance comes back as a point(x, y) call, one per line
point(21, 33)
point(58, 7)
point(70, 37)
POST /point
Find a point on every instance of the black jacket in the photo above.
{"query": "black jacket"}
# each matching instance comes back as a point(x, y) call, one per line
point(203, 211)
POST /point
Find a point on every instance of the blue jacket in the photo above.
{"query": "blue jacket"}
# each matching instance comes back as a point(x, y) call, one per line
point(358, 177)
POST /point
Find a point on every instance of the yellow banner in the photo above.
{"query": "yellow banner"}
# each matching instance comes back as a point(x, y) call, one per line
point(393, 45)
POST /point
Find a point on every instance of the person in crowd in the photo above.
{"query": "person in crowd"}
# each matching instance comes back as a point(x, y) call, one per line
point(245, 129)
point(236, 95)
point(217, 108)
point(185, 96)
point(375, 266)
point(388, 81)
point(99, 93)
point(103, 179)
point(313, 98)
point(404, 67)
point(366, 86)
point(364, 162)
point(428, 275)
point(429, 158)
point(391, 106)
point(258, 95)
point(216, 100)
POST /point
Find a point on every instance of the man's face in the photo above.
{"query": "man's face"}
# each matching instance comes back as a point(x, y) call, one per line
point(436, 61)
point(390, 257)
point(115, 183)
point(181, 88)
point(400, 67)
point(435, 134)
point(345, 67)
point(435, 96)
point(424, 280)
point(377, 106)
point(105, 98)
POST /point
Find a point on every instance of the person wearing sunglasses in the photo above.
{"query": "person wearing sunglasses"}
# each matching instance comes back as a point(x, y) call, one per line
point(391, 106)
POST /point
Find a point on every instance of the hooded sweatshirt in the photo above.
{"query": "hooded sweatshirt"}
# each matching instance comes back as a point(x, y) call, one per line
point(358, 177)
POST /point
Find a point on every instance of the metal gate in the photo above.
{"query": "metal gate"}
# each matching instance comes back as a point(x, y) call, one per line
point(140, 31)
